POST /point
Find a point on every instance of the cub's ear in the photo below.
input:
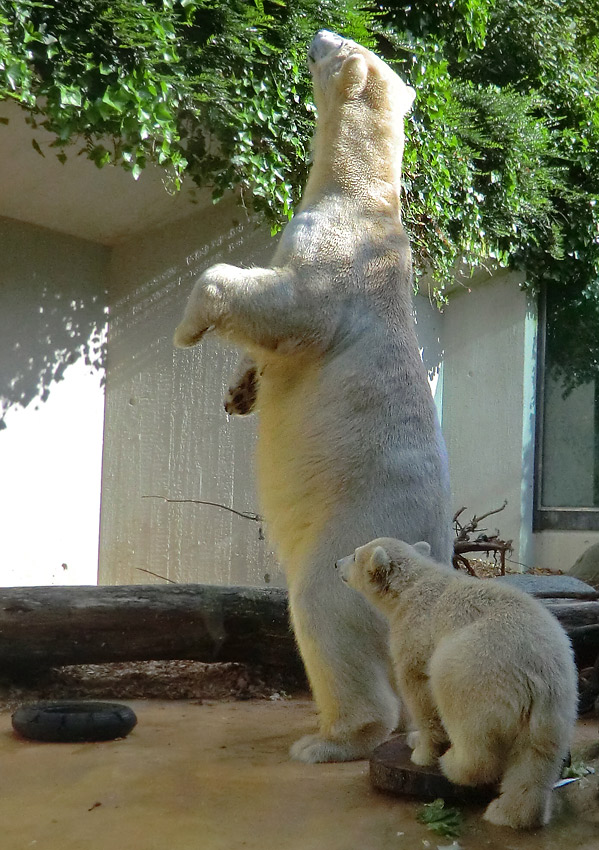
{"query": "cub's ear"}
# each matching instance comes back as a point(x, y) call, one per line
point(353, 74)
point(380, 567)
point(423, 547)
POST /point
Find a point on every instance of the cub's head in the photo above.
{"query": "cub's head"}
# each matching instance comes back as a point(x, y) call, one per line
point(344, 71)
point(373, 567)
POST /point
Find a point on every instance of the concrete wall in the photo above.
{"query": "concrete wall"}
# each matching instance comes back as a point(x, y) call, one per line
point(52, 328)
point(487, 373)
point(489, 417)
point(167, 435)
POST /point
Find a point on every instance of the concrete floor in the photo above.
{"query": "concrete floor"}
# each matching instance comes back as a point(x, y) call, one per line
point(212, 776)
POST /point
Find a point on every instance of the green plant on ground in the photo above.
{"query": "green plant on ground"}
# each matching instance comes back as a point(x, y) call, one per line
point(441, 819)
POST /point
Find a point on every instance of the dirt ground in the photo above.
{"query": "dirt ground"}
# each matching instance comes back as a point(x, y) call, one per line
point(215, 775)
point(148, 680)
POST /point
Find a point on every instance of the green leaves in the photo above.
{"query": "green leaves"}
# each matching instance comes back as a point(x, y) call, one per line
point(91, 71)
point(501, 153)
point(508, 102)
point(441, 819)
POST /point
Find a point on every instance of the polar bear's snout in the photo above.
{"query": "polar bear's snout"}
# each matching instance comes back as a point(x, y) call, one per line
point(324, 43)
point(344, 566)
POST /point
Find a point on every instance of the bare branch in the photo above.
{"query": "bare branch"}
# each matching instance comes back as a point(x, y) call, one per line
point(245, 515)
point(150, 573)
point(477, 519)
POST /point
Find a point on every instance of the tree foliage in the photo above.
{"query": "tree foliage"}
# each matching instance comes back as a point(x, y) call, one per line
point(216, 90)
point(501, 164)
point(515, 135)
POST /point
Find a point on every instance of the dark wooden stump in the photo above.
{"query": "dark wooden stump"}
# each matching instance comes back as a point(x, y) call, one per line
point(391, 770)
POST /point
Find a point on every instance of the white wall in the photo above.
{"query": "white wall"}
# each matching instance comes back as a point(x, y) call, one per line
point(487, 404)
point(167, 434)
point(102, 205)
point(52, 324)
point(489, 417)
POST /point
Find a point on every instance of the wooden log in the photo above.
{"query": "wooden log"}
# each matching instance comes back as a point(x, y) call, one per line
point(51, 626)
point(574, 615)
point(581, 622)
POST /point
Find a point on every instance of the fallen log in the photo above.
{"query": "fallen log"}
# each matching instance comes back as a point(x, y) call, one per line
point(44, 627)
point(581, 621)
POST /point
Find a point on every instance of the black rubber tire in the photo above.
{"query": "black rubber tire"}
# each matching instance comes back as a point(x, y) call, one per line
point(74, 721)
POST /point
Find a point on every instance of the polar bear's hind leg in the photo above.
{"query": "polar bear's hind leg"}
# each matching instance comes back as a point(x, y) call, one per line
point(347, 663)
point(525, 798)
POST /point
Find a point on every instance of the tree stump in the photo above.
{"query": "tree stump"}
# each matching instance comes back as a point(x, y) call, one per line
point(391, 770)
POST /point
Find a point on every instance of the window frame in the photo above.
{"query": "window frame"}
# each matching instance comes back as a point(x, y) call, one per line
point(551, 518)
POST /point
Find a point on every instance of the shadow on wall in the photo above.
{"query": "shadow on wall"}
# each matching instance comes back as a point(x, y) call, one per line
point(429, 319)
point(52, 311)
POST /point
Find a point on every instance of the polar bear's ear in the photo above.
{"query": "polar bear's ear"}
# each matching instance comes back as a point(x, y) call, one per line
point(354, 73)
point(423, 547)
point(380, 567)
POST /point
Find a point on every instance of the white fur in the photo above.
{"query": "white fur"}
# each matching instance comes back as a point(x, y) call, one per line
point(482, 667)
point(349, 444)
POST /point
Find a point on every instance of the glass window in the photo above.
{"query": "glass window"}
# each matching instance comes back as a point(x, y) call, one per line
point(567, 425)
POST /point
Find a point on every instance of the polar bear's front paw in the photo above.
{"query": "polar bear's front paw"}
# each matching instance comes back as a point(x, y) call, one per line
point(423, 751)
point(241, 395)
point(313, 749)
point(412, 739)
point(206, 305)
point(423, 755)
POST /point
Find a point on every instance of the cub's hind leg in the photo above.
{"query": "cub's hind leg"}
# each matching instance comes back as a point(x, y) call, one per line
point(534, 765)
point(475, 728)
point(526, 787)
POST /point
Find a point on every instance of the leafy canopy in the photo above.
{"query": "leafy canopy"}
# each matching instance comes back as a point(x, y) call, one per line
point(501, 163)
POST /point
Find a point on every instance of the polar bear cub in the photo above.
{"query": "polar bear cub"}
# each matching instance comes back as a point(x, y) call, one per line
point(486, 672)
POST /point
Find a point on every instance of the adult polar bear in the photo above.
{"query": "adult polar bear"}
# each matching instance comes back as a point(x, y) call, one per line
point(349, 446)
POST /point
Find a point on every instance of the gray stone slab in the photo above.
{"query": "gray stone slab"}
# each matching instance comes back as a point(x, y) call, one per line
point(546, 584)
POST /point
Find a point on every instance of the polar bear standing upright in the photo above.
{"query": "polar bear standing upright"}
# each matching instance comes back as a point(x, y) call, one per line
point(349, 445)
point(486, 671)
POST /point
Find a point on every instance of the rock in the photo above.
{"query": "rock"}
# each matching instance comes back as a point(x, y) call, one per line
point(545, 584)
point(587, 566)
